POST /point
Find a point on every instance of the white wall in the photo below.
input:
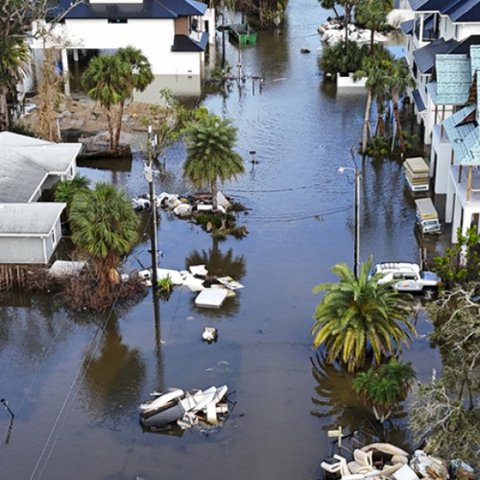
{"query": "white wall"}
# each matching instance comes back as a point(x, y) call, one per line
point(21, 250)
point(154, 37)
point(467, 29)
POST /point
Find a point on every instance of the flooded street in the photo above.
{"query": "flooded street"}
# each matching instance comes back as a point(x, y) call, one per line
point(74, 381)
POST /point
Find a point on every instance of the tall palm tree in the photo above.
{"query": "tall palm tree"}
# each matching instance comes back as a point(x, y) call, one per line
point(385, 387)
point(398, 81)
point(104, 226)
point(210, 155)
point(107, 82)
point(14, 66)
point(140, 76)
point(357, 316)
point(375, 68)
point(373, 15)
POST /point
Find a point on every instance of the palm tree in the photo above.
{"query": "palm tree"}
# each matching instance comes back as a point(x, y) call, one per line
point(107, 82)
point(140, 76)
point(385, 387)
point(104, 226)
point(373, 15)
point(357, 316)
point(14, 65)
point(398, 81)
point(65, 190)
point(329, 4)
point(375, 68)
point(210, 155)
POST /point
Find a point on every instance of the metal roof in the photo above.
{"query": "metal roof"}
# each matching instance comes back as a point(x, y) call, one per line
point(184, 43)
point(26, 162)
point(148, 9)
point(407, 27)
point(29, 219)
point(463, 11)
point(417, 98)
point(425, 56)
point(427, 5)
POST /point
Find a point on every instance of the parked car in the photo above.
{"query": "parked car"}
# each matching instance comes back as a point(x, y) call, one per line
point(405, 276)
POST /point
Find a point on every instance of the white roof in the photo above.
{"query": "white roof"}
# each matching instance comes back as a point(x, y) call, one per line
point(416, 165)
point(426, 208)
point(29, 219)
point(396, 267)
point(25, 163)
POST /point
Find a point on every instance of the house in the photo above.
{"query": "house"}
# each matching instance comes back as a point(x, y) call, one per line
point(172, 34)
point(30, 229)
point(439, 27)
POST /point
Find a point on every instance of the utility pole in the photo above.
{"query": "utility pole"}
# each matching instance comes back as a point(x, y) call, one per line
point(148, 173)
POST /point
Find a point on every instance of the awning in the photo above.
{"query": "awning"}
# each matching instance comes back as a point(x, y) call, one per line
point(417, 98)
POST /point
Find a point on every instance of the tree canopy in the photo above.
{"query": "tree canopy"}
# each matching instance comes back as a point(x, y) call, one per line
point(357, 316)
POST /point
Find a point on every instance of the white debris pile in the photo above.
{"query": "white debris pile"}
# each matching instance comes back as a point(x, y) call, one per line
point(333, 31)
point(182, 205)
point(175, 407)
point(212, 291)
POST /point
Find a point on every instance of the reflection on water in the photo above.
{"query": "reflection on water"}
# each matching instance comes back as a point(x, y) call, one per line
point(336, 401)
point(114, 376)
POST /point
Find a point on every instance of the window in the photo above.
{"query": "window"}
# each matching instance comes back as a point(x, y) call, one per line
point(54, 238)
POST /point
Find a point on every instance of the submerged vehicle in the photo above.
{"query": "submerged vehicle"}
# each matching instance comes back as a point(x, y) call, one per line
point(405, 276)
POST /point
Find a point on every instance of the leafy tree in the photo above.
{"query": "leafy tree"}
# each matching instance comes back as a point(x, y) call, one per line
point(16, 19)
point(329, 4)
point(14, 61)
point(111, 81)
point(460, 263)
point(105, 227)
point(139, 78)
point(373, 15)
point(65, 190)
point(385, 387)
point(210, 155)
point(337, 60)
point(358, 316)
point(398, 81)
point(375, 68)
point(446, 410)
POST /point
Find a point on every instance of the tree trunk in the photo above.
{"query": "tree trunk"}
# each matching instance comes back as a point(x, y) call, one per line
point(396, 113)
point(214, 195)
point(111, 139)
point(4, 120)
point(366, 122)
point(372, 41)
point(119, 125)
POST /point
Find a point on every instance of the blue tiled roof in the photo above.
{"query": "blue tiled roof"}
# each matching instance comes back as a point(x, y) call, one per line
point(147, 9)
point(425, 56)
point(464, 136)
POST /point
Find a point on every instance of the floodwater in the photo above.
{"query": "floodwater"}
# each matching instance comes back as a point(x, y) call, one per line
point(74, 380)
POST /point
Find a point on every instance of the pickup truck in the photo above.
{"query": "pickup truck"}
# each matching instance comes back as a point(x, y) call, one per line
point(406, 277)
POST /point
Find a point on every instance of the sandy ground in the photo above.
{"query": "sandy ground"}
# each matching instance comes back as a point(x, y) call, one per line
point(83, 116)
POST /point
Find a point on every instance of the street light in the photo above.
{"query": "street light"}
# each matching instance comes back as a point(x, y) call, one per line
point(356, 243)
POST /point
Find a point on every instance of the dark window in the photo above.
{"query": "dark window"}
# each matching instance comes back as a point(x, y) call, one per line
point(118, 20)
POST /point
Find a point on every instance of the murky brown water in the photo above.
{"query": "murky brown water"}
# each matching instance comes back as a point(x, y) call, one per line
point(74, 381)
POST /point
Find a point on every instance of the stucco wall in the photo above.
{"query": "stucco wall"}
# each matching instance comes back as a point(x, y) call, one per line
point(153, 37)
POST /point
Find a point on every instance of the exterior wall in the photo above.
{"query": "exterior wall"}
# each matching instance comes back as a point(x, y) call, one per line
point(153, 37)
point(467, 29)
point(440, 160)
point(181, 26)
point(21, 250)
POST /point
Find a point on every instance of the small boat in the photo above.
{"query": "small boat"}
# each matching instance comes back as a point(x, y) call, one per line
point(242, 34)
point(174, 404)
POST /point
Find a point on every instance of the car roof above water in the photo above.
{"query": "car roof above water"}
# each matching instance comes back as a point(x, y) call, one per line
point(386, 267)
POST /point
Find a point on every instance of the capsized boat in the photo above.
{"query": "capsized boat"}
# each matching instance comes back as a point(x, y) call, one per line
point(183, 408)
